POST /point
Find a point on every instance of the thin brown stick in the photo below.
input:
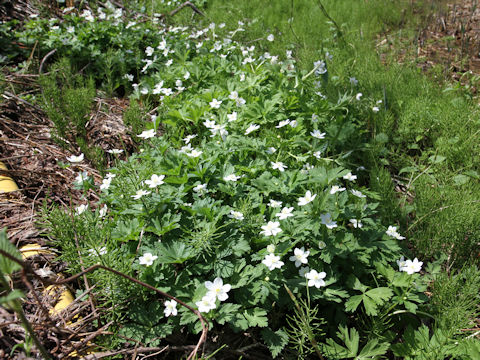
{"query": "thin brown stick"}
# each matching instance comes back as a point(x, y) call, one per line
point(45, 58)
point(95, 267)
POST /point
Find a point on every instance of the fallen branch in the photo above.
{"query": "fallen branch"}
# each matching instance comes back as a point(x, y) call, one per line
point(29, 270)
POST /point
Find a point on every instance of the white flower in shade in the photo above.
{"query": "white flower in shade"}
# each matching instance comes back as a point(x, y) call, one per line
point(358, 193)
point(81, 209)
point(317, 134)
point(189, 138)
point(274, 203)
point(217, 289)
point(232, 117)
point(186, 76)
point(293, 123)
point(200, 189)
point(283, 123)
point(44, 272)
point(206, 304)
point(285, 213)
point(271, 229)
point(251, 128)
point(103, 211)
point(315, 278)
point(215, 104)
point(170, 308)
point(303, 271)
point(237, 215)
point(327, 221)
point(356, 223)
point(401, 263)
point(231, 177)
point(98, 252)
point(147, 134)
point(271, 248)
point(147, 259)
point(272, 262)
point(242, 77)
point(322, 245)
point(209, 124)
point(317, 154)
point(270, 37)
point(279, 165)
point(300, 256)
point(149, 51)
point(306, 199)
point(76, 159)
point(411, 267)
point(358, 96)
point(375, 109)
point(194, 153)
point(271, 150)
point(350, 177)
point(336, 189)
point(81, 177)
point(155, 181)
point(392, 231)
point(115, 151)
point(106, 183)
point(233, 95)
point(140, 193)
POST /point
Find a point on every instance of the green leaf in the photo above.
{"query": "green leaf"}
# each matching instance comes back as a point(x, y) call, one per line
point(275, 341)
point(256, 317)
point(460, 179)
point(175, 253)
point(12, 295)
point(8, 266)
point(226, 313)
point(436, 159)
point(372, 349)
point(380, 295)
point(353, 302)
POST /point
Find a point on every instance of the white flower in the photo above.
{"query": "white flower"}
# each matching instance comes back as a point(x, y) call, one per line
point(81, 177)
point(217, 289)
point(358, 193)
point(300, 256)
point(194, 153)
point(322, 245)
point(272, 262)
point(285, 213)
point(186, 76)
point(149, 51)
point(44, 273)
point(306, 199)
point(206, 304)
point(76, 159)
point(189, 138)
point(411, 267)
point(237, 215)
point(210, 124)
point(274, 203)
point(242, 77)
point(270, 37)
point(327, 221)
point(155, 181)
point(81, 209)
point(356, 223)
point(375, 109)
point(251, 128)
point(147, 259)
point(271, 248)
point(140, 193)
point(353, 81)
point(271, 150)
point(95, 252)
point(170, 308)
point(271, 229)
point(350, 177)
point(315, 278)
point(233, 95)
point(279, 165)
point(200, 189)
point(336, 189)
point(293, 123)
point(106, 182)
point(115, 151)
point(103, 211)
point(231, 177)
point(232, 117)
point(401, 263)
point(283, 123)
point(317, 134)
point(147, 134)
point(392, 231)
point(215, 104)
point(358, 96)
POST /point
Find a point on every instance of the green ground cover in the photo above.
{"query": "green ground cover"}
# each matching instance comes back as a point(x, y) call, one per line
point(285, 101)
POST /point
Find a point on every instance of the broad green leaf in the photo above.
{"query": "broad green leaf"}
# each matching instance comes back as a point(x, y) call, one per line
point(8, 266)
point(12, 295)
point(353, 302)
point(275, 341)
point(256, 317)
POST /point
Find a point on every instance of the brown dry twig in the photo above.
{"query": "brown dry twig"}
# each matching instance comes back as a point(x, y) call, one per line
point(28, 270)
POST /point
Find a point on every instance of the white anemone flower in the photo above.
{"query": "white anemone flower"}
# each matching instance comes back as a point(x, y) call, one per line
point(206, 304)
point(271, 229)
point(272, 262)
point(217, 289)
point(155, 181)
point(300, 256)
point(147, 259)
point(308, 198)
point(315, 278)
point(139, 194)
point(76, 159)
point(285, 213)
point(170, 308)
point(317, 134)
point(336, 189)
point(279, 165)
point(237, 215)
point(327, 221)
point(252, 128)
point(350, 177)
point(147, 134)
